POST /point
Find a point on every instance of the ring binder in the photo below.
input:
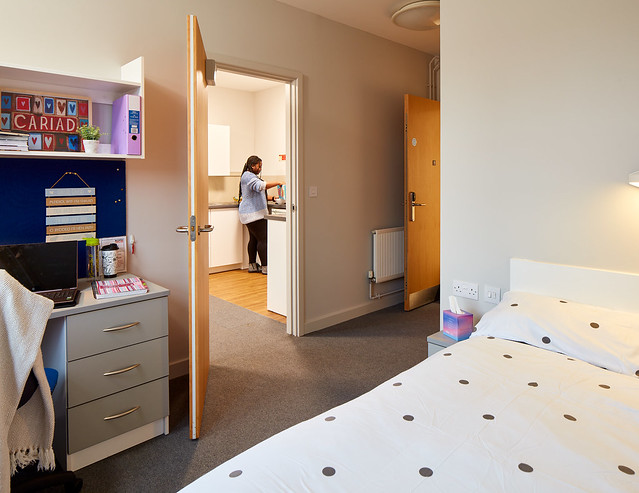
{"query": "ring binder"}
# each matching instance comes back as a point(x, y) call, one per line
point(126, 136)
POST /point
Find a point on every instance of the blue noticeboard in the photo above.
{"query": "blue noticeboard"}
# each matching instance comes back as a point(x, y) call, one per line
point(22, 194)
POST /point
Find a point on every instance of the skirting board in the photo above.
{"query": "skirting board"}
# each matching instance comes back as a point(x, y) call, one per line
point(350, 313)
point(224, 268)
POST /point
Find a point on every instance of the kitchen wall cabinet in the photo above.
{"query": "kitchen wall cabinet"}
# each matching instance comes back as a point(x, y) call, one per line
point(219, 150)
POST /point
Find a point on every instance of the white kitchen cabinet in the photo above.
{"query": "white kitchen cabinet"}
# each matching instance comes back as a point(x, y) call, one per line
point(219, 150)
point(276, 282)
point(225, 241)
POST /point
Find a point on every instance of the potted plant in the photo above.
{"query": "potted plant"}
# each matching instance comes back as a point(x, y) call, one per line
point(90, 137)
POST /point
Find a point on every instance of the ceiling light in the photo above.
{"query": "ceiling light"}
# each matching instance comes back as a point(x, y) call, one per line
point(418, 16)
point(633, 179)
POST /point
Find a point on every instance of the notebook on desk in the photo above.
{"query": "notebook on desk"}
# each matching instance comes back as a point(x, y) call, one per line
point(49, 269)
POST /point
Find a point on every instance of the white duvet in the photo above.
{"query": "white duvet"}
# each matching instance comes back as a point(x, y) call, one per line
point(485, 414)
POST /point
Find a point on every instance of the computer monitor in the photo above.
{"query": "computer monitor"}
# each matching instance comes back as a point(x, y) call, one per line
point(42, 266)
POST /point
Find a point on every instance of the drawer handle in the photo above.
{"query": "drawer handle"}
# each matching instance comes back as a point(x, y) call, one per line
point(123, 370)
point(121, 327)
point(116, 416)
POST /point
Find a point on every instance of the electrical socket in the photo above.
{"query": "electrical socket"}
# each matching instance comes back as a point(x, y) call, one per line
point(492, 294)
point(466, 289)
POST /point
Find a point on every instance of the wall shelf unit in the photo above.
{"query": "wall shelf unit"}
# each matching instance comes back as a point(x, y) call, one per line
point(101, 92)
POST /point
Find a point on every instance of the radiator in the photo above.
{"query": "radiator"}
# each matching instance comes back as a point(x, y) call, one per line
point(388, 254)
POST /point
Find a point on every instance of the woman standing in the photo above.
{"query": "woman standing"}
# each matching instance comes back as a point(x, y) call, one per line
point(253, 210)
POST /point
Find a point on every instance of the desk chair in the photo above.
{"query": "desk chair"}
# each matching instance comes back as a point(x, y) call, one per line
point(29, 479)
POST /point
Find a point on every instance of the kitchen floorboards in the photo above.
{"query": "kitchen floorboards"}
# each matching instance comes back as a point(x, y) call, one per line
point(243, 289)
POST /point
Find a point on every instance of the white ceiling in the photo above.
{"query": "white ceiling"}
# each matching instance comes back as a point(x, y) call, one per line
point(372, 16)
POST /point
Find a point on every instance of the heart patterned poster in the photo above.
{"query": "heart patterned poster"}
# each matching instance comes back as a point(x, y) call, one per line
point(51, 121)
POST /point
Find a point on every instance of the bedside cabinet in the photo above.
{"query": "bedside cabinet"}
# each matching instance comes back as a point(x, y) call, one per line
point(113, 361)
point(438, 341)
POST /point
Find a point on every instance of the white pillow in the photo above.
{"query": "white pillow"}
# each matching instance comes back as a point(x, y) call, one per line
point(603, 337)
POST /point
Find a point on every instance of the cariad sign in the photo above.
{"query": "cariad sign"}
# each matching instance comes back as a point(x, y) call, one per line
point(41, 123)
point(51, 121)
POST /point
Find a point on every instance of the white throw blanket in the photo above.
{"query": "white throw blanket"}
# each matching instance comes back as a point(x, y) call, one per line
point(26, 434)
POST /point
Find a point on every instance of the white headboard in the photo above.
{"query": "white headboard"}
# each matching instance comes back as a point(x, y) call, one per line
point(610, 289)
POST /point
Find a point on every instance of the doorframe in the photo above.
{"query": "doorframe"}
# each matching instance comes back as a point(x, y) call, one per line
point(295, 302)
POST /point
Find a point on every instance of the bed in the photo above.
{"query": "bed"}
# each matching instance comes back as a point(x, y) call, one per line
point(543, 397)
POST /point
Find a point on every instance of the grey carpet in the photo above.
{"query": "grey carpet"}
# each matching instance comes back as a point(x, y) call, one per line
point(261, 382)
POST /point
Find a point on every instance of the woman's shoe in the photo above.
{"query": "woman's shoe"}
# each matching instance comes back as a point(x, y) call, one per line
point(264, 269)
point(254, 267)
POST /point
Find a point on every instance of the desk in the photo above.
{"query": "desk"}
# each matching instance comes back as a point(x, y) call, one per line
point(112, 359)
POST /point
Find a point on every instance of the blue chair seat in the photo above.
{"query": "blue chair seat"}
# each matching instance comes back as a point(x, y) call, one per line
point(52, 377)
point(32, 384)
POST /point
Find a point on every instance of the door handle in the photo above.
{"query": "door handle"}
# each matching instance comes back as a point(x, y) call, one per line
point(191, 228)
point(413, 204)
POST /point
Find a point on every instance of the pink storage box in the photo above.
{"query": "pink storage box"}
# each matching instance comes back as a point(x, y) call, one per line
point(458, 327)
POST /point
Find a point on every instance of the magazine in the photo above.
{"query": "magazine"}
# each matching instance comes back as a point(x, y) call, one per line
point(113, 288)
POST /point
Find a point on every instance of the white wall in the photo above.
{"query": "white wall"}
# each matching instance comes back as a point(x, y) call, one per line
point(237, 110)
point(352, 126)
point(270, 129)
point(258, 125)
point(539, 133)
point(352, 138)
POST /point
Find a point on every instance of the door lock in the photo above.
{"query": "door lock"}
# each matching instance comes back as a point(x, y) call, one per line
point(413, 204)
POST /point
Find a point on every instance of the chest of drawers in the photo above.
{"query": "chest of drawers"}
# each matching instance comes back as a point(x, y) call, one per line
point(112, 357)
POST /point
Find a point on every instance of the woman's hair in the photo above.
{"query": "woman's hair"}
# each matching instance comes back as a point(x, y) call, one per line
point(248, 166)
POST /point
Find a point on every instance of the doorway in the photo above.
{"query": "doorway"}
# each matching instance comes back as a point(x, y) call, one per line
point(247, 116)
point(254, 112)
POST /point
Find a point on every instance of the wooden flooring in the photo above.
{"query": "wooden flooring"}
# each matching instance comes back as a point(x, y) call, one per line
point(243, 289)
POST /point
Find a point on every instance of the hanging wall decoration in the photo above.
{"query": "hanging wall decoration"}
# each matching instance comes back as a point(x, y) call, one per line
point(70, 212)
point(51, 121)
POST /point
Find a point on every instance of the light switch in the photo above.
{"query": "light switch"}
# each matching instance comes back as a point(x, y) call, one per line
point(492, 294)
point(312, 191)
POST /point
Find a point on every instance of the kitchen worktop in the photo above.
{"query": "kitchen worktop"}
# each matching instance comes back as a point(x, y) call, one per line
point(277, 212)
point(224, 205)
point(235, 205)
point(275, 217)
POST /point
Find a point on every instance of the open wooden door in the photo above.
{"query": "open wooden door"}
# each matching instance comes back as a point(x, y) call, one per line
point(198, 244)
point(421, 200)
